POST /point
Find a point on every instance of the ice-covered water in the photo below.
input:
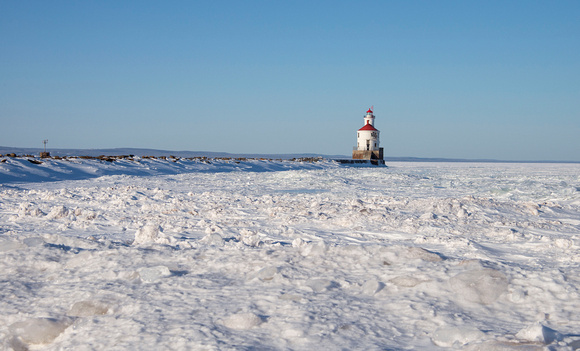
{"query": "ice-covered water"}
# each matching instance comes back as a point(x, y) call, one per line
point(415, 256)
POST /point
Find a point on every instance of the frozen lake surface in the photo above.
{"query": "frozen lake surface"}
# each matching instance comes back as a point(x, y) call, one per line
point(263, 255)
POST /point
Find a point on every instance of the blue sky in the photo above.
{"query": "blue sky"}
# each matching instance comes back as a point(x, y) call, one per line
point(459, 79)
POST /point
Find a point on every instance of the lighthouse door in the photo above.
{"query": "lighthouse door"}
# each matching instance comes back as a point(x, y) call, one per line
point(368, 145)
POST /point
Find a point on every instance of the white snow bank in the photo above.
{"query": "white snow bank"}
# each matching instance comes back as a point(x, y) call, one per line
point(27, 169)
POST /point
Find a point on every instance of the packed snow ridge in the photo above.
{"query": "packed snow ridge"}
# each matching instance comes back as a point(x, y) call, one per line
point(288, 256)
point(33, 169)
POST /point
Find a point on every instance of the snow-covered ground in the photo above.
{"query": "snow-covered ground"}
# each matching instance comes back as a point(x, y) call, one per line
point(267, 255)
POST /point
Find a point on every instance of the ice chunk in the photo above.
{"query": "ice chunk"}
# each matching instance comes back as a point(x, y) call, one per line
point(455, 336)
point(150, 233)
point(146, 234)
point(213, 239)
point(494, 345)
point(80, 259)
point(267, 273)
point(33, 242)
point(88, 308)
point(298, 242)
point(428, 216)
point(290, 297)
point(291, 333)
point(152, 274)
point(422, 254)
point(462, 213)
point(532, 208)
point(36, 212)
point(250, 238)
point(406, 281)
point(371, 287)
point(39, 330)
point(517, 295)
point(8, 245)
point(481, 286)
point(58, 212)
point(539, 333)
point(318, 285)
point(575, 344)
point(242, 321)
point(313, 249)
point(563, 243)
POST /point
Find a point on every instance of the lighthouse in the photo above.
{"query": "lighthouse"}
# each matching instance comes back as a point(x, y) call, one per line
point(367, 140)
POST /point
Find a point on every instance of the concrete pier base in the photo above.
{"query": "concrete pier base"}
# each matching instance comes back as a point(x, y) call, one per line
point(367, 154)
point(363, 162)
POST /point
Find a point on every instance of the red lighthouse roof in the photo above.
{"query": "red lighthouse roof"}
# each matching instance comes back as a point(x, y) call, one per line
point(370, 111)
point(368, 126)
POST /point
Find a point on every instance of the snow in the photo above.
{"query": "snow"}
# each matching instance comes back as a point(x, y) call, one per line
point(30, 169)
point(260, 254)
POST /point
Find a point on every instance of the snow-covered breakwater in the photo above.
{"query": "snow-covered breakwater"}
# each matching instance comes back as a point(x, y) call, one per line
point(414, 256)
point(33, 169)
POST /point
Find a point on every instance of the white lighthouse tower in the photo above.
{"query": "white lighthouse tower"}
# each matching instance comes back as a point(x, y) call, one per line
point(367, 140)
